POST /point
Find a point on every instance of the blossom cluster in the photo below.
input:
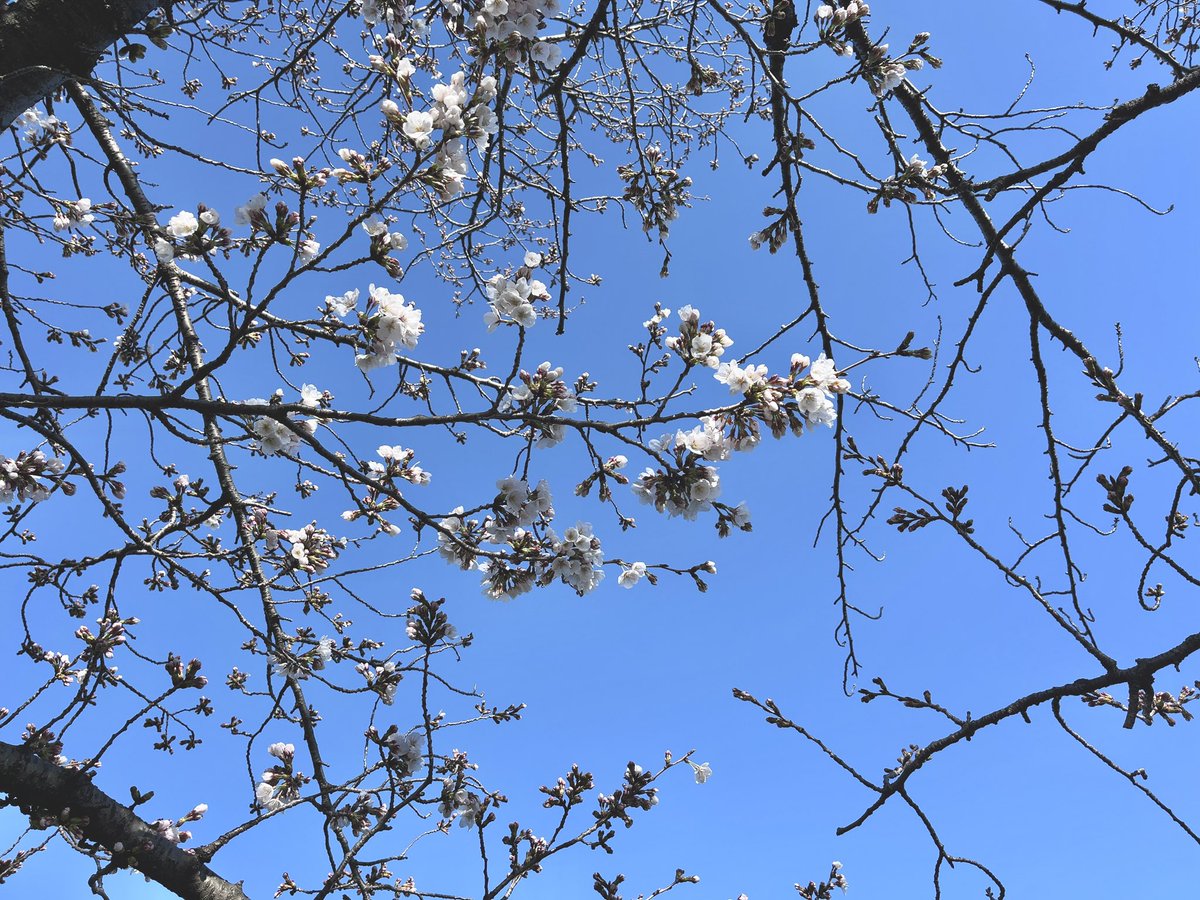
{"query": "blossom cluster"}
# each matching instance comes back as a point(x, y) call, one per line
point(282, 435)
point(511, 300)
point(398, 465)
point(698, 344)
point(514, 25)
point(388, 324)
point(889, 73)
point(191, 235)
point(577, 557)
point(73, 214)
point(533, 553)
point(687, 487)
point(253, 212)
point(460, 804)
point(301, 665)
point(773, 397)
point(455, 112)
point(38, 127)
point(396, 14)
point(632, 574)
point(22, 477)
point(310, 549)
point(383, 242)
point(406, 750)
point(280, 784)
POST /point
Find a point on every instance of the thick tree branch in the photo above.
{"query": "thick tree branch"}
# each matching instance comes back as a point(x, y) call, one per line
point(45, 42)
point(36, 785)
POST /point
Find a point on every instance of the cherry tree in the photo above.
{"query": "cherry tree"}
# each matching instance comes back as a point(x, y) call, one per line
point(274, 408)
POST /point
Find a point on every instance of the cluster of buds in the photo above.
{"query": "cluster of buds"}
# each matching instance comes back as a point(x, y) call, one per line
point(172, 830)
point(1152, 704)
point(44, 743)
point(823, 890)
point(305, 178)
point(427, 621)
point(113, 632)
point(541, 394)
point(299, 665)
point(395, 65)
point(906, 758)
point(914, 173)
point(569, 791)
point(829, 17)
point(656, 191)
point(383, 678)
point(22, 477)
point(185, 676)
point(635, 794)
point(61, 663)
point(832, 19)
point(112, 481)
point(654, 325)
point(610, 469)
point(357, 815)
point(258, 527)
point(886, 73)
point(358, 168)
point(278, 228)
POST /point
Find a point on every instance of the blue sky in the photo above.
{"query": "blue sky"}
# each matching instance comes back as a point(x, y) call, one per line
point(626, 675)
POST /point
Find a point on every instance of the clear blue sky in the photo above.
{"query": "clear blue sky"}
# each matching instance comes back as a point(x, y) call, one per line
point(628, 674)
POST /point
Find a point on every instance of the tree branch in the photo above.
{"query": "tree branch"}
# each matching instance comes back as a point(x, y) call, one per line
point(45, 42)
point(34, 784)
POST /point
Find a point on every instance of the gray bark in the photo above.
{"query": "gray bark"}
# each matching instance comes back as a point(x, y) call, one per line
point(33, 784)
point(45, 42)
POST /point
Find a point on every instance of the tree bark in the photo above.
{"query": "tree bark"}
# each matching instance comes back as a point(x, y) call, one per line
point(45, 42)
point(35, 785)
